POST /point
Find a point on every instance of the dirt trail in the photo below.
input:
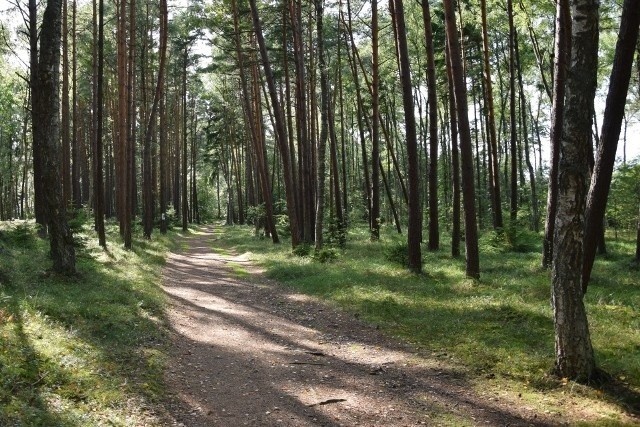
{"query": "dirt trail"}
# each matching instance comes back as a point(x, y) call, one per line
point(252, 352)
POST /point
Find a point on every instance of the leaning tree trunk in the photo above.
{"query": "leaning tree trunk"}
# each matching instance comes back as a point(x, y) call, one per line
point(46, 108)
point(281, 136)
point(612, 122)
point(574, 354)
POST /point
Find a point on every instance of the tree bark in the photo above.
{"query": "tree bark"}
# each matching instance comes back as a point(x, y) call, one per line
point(324, 124)
point(562, 54)
point(46, 107)
point(434, 232)
point(611, 125)
point(468, 191)
point(375, 125)
point(147, 185)
point(494, 179)
point(279, 125)
point(414, 231)
point(574, 354)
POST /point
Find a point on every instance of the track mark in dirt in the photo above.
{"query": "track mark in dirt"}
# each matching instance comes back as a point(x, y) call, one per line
point(252, 352)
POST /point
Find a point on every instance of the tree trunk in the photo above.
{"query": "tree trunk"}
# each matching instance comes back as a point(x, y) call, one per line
point(494, 180)
point(513, 143)
point(561, 54)
point(46, 107)
point(574, 354)
point(375, 125)
point(434, 232)
point(415, 217)
point(98, 184)
point(324, 124)
point(468, 190)
point(455, 165)
point(147, 185)
point(279, 125)
point(611, 125)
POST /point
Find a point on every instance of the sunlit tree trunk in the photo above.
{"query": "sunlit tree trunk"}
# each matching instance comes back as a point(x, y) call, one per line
point(574, 354)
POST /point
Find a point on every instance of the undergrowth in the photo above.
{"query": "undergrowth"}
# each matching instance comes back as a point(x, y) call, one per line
point(82, 350)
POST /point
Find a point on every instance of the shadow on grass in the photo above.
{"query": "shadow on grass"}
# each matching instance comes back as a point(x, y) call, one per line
point(92, 339)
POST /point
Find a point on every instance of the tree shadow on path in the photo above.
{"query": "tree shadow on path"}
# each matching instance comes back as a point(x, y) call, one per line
point(255, 353)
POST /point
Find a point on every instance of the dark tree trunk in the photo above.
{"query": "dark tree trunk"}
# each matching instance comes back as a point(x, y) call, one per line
point(46, 107)
point(375, 125)
point(414, 231)
point(455, 165)
point(562, 54)
point(513, 143)
point(147, 185)
point(611, 125)
point(185, 194)
point(574, 354)
point(494, 179)
point(434, 233)
point(40, 204)
point(75, 144)
point(468, 190)
point(324, 124)
point(98, 184)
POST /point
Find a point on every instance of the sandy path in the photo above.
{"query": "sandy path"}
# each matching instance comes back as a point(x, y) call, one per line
point(252, 352)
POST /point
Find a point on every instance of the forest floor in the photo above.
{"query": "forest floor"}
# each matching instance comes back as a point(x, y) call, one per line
point(249, 351)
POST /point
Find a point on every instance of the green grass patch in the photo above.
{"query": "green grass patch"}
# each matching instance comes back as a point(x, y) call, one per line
point(499, 330)
point(82, 350)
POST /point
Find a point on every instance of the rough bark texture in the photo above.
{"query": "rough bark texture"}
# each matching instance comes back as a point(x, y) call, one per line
point(46, 108)
point(611, 125)
point(466, 152)
point(574, 354)
point(455, 166)
point(562, 53)
point(415, 218)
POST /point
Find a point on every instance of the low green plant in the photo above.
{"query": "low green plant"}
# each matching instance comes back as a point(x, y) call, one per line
point(302, 250)
point(325, 255)
point(398, 253)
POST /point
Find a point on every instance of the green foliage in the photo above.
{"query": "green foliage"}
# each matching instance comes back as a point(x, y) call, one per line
point(302, 250)
point(398, 254)
point(512, 238)
point(624, 197)
point(87, 350)
point(326, 255)
point(336, 233)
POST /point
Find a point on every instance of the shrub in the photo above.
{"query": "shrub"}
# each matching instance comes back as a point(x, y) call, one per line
point(398, 253)
point(325, 255)
point(301, 250)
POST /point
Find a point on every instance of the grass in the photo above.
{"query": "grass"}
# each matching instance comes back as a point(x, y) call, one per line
point(83, 350)
point(498, 330)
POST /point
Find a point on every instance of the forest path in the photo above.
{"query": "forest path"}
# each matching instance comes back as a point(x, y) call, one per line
point(248, 351)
